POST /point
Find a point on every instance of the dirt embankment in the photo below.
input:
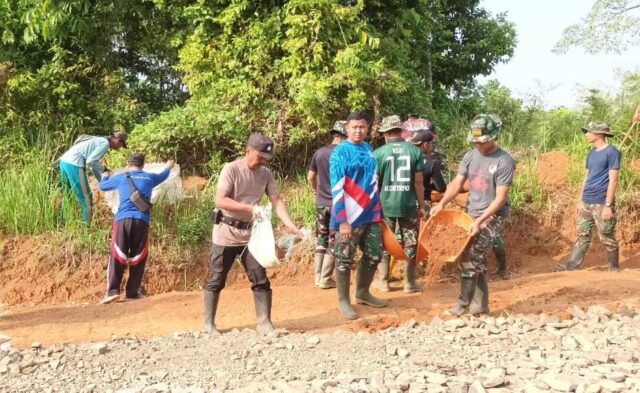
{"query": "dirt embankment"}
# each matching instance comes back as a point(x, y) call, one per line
point(33, 272)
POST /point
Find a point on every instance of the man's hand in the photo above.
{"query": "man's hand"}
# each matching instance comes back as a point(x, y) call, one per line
point(295, 231)
point(607, 213)
point(169, 165)
point(476, 227)
point(424, 214)
point(436, 209)
point(106, 173)
point(345, 230)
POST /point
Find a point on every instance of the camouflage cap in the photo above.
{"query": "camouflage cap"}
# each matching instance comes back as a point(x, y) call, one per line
point(484, 128)
point(598, 127)
point(339, 127)
point(389, 123)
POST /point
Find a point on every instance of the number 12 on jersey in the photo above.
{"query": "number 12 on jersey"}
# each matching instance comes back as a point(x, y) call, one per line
point(400, 168)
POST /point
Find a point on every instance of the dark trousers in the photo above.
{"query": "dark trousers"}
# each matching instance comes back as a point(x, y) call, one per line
point(129, 248)
point(222, 258)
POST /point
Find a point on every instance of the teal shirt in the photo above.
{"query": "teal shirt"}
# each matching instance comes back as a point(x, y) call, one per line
point(88, 153)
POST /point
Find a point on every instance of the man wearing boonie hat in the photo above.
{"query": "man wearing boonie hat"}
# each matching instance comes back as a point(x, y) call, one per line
point(320, 181)
point(241, 186)
point(402, 194)
point(596, 203)
point(490, 171)
point(87, 151)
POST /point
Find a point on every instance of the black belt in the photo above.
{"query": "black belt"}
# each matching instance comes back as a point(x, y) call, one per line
point(235, 223)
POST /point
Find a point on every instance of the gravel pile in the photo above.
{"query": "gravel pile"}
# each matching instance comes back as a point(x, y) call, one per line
point(595, 351)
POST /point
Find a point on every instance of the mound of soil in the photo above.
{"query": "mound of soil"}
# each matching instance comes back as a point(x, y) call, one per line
point(445, 242)
point(553, 168)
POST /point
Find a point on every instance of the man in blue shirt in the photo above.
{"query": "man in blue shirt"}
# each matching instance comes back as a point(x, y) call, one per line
point(87, 151)
point(130, 235)
point(597, 200)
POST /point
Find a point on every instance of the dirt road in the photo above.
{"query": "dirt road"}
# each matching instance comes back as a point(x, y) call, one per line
point(310, 309)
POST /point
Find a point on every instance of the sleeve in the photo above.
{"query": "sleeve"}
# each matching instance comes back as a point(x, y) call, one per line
point(463, 168)
point(436, 178)
point(377, 155)
point(271, 190)
point(225, 181)
point(418, 160)
point(337, 174)
point(614, 159)
point(93, 160)
point(108, 183)
point(313, 167)
point(160, 177)
point(506, 171)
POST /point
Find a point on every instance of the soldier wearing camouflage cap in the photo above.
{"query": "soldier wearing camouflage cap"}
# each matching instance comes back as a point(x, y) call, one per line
point(490, 171)
point(400, 167)
point(596, 204)
point(318, 177)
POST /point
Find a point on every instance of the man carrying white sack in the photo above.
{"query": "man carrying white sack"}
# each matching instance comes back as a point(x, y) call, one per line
point(241, 185)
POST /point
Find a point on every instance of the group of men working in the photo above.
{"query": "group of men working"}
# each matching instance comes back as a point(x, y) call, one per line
point(356, 189)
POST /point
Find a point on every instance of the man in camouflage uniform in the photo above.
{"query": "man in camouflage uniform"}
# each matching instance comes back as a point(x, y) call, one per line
point(436, 150)
point(400, 167)
point(597, 200)
point(490, 171)
point(318, 176)
point(356, 213)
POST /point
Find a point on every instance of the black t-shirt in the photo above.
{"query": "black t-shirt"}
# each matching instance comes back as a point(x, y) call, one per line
point(432, 175)
point(320, 165)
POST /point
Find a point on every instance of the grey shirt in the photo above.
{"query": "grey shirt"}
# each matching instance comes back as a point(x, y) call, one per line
point(485, 173)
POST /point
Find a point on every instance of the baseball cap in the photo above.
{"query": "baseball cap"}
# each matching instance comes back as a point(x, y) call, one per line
point(121, 135)
point(262, 143)
point(389, 123)
point(420, 137)
point(339, 128)
point(598, 127)
point(136, 159)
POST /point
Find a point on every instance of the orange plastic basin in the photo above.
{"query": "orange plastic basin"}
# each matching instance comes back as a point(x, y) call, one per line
point(391, 244)
point(446, 217)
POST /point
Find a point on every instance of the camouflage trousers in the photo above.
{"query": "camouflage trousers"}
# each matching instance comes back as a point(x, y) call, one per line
point(588, 215)
point(474, 259)
point(406, 231)
point(325, 238)
point(439, 157)
point(368, 238)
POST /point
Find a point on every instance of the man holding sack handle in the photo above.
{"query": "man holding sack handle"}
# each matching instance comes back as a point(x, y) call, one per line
point(130, 235)
point(241, 185)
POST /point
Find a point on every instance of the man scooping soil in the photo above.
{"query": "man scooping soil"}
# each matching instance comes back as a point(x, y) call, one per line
point(490, 171)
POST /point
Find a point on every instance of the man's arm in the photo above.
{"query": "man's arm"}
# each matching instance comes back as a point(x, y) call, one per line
point(502, 192)
point(584, 183)
point(436, 178)
point(283, 214)
point(93, 160)
point(107, 183)
point(418, 185)
point(453, 189)
point(607, 212)
point(164, 175)
point(312, 176)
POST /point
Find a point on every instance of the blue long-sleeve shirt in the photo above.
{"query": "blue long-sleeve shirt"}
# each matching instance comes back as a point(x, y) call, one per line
point(144, 183)
point(88, 153)
point(354, 185)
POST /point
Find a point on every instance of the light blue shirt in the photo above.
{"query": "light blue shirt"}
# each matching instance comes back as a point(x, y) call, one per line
point(88, 153)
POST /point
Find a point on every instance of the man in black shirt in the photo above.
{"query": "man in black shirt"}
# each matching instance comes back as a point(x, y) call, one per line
point(318, 176)
point(432, 173)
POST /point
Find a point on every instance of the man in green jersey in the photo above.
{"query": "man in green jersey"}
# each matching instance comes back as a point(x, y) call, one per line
point(401, 191)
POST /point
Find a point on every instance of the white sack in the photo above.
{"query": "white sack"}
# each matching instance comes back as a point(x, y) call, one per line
point(262, 243)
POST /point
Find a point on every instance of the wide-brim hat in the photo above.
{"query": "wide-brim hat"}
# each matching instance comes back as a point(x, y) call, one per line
point(598, 127)
point(389, 123)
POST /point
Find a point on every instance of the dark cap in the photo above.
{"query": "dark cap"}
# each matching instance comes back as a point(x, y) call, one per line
point(420, 137)
point(136, 159)
point(262, 143)
point(121, 135)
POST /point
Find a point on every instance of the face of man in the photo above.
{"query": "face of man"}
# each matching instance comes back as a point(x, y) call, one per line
point(592, 137)
point(117, 144)
point(357, 130)
point(254, 159)
point(485, 147)
point(426, 147)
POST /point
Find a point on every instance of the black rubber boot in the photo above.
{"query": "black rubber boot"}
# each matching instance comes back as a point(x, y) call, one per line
point(363, 282)
point(613, 258)
point(383, 283)
point(575, 259)
point(480, 302)
point(210, 307)
point(410, 283)
point(317, 259)
point(501, 259)
point(262, 301)
point(467, 290)
point(328, 263)
point(344, 302)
